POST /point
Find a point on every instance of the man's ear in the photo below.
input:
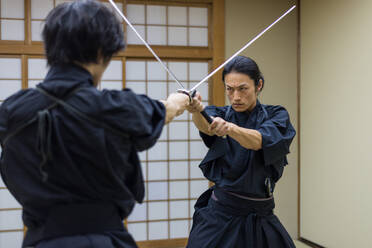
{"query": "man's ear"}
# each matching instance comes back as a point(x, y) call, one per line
point(259, 86)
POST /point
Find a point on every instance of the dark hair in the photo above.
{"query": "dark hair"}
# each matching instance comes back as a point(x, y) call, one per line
point(246, 66)
point(81, 31)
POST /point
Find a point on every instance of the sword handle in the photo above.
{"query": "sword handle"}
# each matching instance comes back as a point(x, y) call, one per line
point(203, 113)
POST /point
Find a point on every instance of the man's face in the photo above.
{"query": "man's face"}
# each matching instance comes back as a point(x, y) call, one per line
point(241, 91)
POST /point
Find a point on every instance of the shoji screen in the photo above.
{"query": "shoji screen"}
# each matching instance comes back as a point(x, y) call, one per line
point(11, 226)
point(12, 17)
point(173, 179)
point(169, 25)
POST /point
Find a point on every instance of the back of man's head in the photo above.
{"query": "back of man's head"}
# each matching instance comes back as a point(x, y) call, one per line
point(82, 32)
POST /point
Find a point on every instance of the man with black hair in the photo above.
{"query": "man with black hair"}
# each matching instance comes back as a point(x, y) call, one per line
point(69, 150)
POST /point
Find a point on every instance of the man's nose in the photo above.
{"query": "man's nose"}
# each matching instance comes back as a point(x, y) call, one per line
point(236, 96)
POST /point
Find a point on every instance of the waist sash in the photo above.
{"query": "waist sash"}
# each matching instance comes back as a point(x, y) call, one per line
point(231, 204)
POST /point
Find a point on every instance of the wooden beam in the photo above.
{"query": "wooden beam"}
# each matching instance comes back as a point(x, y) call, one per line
point(218, 42)
point(166, 243)
point(131, 51)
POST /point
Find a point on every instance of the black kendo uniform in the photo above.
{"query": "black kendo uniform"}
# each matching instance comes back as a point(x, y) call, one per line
point(74, 168)
point(225, 216)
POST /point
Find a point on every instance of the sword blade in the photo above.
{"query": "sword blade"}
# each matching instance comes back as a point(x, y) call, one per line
point(146, 44)
point(242, 49)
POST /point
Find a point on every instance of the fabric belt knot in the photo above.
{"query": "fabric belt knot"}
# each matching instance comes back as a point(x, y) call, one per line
point(44, 140)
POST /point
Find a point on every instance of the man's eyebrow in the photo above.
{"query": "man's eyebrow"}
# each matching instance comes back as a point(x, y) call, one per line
point(240, 85)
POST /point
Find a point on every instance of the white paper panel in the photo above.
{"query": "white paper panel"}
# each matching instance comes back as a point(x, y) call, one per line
point(198, 16)
point(197, 150)
point(114, 71)
point(135, 70)
point(9, 87)
point(157, 170)
point(178, 150)
point(157, 90)
point(132, 37)
point(192, 209)
point(111, 85)
point(177, 15)
point(178, 131)
point(144, 172)
point(179, 69)
point(178, 190)
point(36, 30)
point(136, 13)
point(7, 200)
point(37, 68)
point(178, 170)
point(156, 14)
point(10, 68)
point(157, 191)
point(11, 239)
point(194, 132)
point(198, 37)
point(173, 87)
point(157, 35)
point(58, 2)
point(2, 184)
point(40, 8)
point(138, 213)
point(155, 71)
point(12, 9)
point(164, 133)
point(179, 209)
point(179, 229)
point(197, 187)
point(158, 152)
point(11, 220)
point(12, 30)
point(158, 230)
point(137, 87)
point(158, 210)
point(203, 90)
point(177, 36)
point(195, 171)
point(198, 70)
point(142, 156)
point(138, 231)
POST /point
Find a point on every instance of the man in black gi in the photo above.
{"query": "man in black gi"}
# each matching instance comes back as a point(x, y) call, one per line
point(248, 145)
point(69, 150)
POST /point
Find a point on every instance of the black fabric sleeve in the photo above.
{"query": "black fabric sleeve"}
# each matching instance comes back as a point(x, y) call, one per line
point(138, 115)
point(214, 112)
point(277, 134)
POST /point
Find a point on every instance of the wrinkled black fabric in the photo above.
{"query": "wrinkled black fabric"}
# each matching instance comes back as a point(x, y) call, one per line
point(88, 163)
point(236, 223)
point(242, 170)
point(232, 221)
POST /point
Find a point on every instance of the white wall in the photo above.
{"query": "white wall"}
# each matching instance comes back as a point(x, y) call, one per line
point(336, 121)
point(276, 54)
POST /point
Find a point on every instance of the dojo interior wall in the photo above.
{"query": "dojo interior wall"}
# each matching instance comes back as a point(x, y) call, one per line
point(276, 54)
point(336, 120)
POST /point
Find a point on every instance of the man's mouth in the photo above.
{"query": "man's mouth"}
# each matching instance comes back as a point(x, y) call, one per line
point(237, 104)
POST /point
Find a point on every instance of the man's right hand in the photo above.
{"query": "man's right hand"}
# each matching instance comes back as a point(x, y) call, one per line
point(179, 101)
point(196, 105)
